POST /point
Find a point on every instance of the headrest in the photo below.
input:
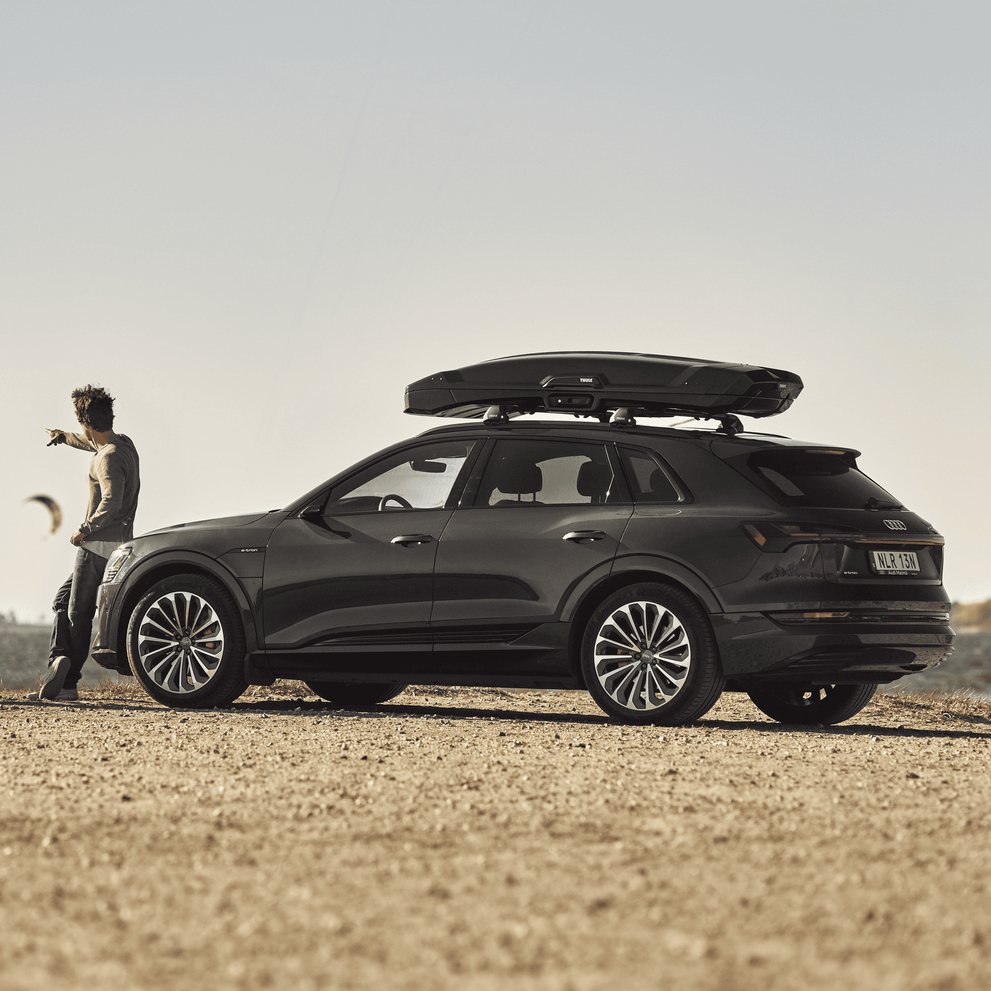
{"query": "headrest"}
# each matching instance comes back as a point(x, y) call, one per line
point(593, 479)
point(519, 478)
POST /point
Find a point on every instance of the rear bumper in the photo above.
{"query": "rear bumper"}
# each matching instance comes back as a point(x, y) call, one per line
point(874, 644)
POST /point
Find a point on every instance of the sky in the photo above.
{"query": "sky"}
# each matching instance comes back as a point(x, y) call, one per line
point(255, 223)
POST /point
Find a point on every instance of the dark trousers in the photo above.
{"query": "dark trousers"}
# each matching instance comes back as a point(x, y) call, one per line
point(74, 606)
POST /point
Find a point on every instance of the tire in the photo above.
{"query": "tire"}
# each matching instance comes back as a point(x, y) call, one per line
point(185, 643)
point(676, 677)
point(364, 693)
point(810, 705)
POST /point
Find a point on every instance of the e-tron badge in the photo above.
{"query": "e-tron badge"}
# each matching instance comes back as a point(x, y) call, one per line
point(895, 525)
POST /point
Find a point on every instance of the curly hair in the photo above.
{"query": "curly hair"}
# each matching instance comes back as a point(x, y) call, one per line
point(94, 407)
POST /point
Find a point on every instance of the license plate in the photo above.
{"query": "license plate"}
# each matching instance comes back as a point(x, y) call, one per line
point(895, 562)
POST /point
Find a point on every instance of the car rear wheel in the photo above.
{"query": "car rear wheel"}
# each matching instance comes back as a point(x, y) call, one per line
point(649, 656)
point(364, 693)
point(185, 643)
point(809, 705)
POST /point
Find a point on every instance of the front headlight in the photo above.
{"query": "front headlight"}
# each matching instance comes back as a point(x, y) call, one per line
point(116, 563)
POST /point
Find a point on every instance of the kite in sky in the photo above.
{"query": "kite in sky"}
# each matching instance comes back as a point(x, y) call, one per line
point(52, 506)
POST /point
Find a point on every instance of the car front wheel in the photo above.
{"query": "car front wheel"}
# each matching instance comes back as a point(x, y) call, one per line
point(809, 705)
point(649, 656)
point(185, 643)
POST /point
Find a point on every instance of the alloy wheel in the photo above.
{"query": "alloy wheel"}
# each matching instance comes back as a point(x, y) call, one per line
point(642, 655)
point(180, 642)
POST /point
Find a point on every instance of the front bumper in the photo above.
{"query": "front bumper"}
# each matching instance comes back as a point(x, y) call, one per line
point(108, 648)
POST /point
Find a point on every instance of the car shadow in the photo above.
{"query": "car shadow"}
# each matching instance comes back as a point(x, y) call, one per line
point(420, 711)
point(304, 707)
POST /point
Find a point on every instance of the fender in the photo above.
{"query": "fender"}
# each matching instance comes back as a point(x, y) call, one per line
point(667, 568)
point(199, 562)
point(577, 593)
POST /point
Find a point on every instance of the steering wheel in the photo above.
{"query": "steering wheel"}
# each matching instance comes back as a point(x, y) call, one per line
point(392, 497)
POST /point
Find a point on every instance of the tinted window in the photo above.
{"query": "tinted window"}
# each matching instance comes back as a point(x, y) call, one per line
point(421, 478)
point(649, 481)
point(827, 479)
point(548, 473)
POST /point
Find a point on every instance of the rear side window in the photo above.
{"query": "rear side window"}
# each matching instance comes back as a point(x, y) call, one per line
point(824, 479)
point(649, 481)
point(523, 473)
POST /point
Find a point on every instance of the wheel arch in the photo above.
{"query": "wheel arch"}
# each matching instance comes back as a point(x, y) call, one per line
point(642, 571)
point(164, 566)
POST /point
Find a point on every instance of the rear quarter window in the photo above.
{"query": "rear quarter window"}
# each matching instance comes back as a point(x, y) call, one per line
point(824, 479)
point(649, 481)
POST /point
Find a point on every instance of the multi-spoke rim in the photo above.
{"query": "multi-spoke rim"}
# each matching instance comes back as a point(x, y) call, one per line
point(180, 642)
point(642, 655)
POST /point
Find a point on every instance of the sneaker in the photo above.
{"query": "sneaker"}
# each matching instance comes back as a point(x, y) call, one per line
point(52, 685)
point(66, 695)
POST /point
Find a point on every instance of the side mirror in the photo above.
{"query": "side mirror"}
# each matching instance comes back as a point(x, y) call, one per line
point(314, 514)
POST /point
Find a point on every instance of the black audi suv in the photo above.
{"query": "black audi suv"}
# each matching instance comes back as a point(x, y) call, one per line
point(654, 567)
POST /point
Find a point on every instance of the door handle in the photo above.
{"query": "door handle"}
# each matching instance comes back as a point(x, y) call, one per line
point(579, 535)
point(411, 538)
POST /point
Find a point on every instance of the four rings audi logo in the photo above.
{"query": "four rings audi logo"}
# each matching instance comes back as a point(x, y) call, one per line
point(895, 525)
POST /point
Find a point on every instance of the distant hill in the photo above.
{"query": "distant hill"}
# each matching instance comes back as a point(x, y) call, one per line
point(967, 617)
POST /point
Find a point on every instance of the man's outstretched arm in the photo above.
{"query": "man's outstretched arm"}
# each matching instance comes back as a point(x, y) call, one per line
point(80, 441)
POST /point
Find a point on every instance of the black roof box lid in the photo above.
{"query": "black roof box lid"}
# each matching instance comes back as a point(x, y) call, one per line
point(598, 382)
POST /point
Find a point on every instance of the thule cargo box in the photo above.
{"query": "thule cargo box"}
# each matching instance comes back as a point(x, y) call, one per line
point(597, 383)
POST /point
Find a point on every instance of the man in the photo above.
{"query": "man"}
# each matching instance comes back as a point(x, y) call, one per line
point(113, 499)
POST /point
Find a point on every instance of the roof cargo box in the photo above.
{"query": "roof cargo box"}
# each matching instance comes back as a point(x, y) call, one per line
point(596, 383)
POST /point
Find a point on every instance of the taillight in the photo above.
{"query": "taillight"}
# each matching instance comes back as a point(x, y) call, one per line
point(776, 537)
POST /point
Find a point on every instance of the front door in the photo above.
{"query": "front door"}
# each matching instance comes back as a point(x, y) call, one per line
point(357, 566)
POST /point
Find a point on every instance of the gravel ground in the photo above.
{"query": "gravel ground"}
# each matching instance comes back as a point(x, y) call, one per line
point(486, 839)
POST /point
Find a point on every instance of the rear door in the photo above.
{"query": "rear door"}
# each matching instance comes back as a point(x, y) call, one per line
point(545, 516)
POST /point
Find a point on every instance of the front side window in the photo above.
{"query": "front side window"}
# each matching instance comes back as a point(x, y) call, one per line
point(524, 473)
point(418, 478)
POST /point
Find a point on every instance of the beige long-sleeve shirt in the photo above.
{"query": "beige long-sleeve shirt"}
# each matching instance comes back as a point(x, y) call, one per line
point(114, 482)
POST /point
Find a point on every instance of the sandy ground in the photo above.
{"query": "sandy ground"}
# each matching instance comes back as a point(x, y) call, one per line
point(483, 839)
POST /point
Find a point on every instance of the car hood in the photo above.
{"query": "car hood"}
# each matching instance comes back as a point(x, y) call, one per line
point(221, 522)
